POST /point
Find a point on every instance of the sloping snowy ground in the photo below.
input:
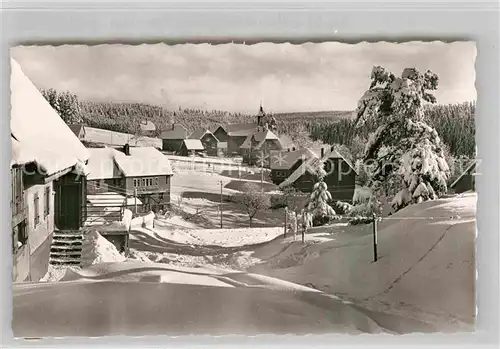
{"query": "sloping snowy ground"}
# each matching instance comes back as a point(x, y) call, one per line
point(426, 266)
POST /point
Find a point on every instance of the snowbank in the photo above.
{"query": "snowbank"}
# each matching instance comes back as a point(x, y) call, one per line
point(96, 249)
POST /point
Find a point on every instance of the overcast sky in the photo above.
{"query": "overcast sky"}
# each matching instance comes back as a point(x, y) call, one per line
point(326, 76)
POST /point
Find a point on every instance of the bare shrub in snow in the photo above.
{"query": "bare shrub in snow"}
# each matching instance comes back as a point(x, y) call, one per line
point(253, 200)
point(404, 153)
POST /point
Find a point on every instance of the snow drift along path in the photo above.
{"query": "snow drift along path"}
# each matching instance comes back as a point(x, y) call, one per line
point(214, 237)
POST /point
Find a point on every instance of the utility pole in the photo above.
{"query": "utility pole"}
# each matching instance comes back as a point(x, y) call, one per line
point(375, 256)
point(262, 170)
point(286, 217)
point(135, 200)
point(221, 204)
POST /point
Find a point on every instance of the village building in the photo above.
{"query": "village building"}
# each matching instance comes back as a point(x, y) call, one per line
point(257, 147)
point(191, 147)
point(466, 181)
point(298, 169)
point(128, 173)
point(173, 137)
point(241, 137)
point(234, 135)
point(208, 140)
point(79, 131)
point(48, 170)
point(147, 128)
point(222, 149)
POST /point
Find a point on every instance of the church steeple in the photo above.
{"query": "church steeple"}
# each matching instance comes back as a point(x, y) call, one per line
point(261, 115)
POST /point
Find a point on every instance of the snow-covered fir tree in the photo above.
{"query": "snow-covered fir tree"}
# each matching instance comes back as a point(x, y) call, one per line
point(317, 204)
point(404, 156)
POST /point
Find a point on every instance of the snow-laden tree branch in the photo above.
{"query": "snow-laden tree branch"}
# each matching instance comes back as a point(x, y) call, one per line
point(404, 156)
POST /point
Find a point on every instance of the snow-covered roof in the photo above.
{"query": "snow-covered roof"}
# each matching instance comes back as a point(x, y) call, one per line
point(107, 163)
point(259, 137)
point(143, 161)
point(240, 130)
point(20, 156)
point(193, 144)
point(147, 126)
point(40, 129)
point(102, 164)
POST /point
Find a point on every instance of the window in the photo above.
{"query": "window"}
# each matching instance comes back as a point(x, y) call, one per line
point(46, 211)
point(36, 203)
point(143, 182)
point(157, 182)
point(19, 236)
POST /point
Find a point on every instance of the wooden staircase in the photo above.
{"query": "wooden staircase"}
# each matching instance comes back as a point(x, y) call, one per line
point(66, 248)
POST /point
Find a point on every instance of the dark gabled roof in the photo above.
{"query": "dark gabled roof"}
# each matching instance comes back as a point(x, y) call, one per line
point(284, 160)
point(178, 132)
point(199, 134)
point(77, 128)
point(241, 130)
point(468, 170)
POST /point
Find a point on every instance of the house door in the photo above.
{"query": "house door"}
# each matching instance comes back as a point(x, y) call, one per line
point(68, 207)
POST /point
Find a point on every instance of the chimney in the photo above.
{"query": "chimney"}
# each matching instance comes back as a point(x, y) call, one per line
point(322, 152)
point(126, 149)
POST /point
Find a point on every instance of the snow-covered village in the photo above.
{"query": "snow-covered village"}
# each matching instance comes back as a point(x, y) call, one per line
point(243, 189)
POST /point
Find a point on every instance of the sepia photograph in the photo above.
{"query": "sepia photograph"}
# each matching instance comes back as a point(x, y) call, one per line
point(264, 188)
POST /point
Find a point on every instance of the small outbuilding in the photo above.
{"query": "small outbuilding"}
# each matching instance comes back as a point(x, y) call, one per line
point(191, 147)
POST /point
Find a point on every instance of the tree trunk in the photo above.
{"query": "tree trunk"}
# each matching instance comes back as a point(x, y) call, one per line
point(250, 222)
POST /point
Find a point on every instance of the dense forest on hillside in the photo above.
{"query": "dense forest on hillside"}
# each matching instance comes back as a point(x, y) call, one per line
point(454, 123)
point(124, 117)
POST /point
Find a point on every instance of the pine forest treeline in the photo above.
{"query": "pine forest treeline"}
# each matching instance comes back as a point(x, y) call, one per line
point(454, 123)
